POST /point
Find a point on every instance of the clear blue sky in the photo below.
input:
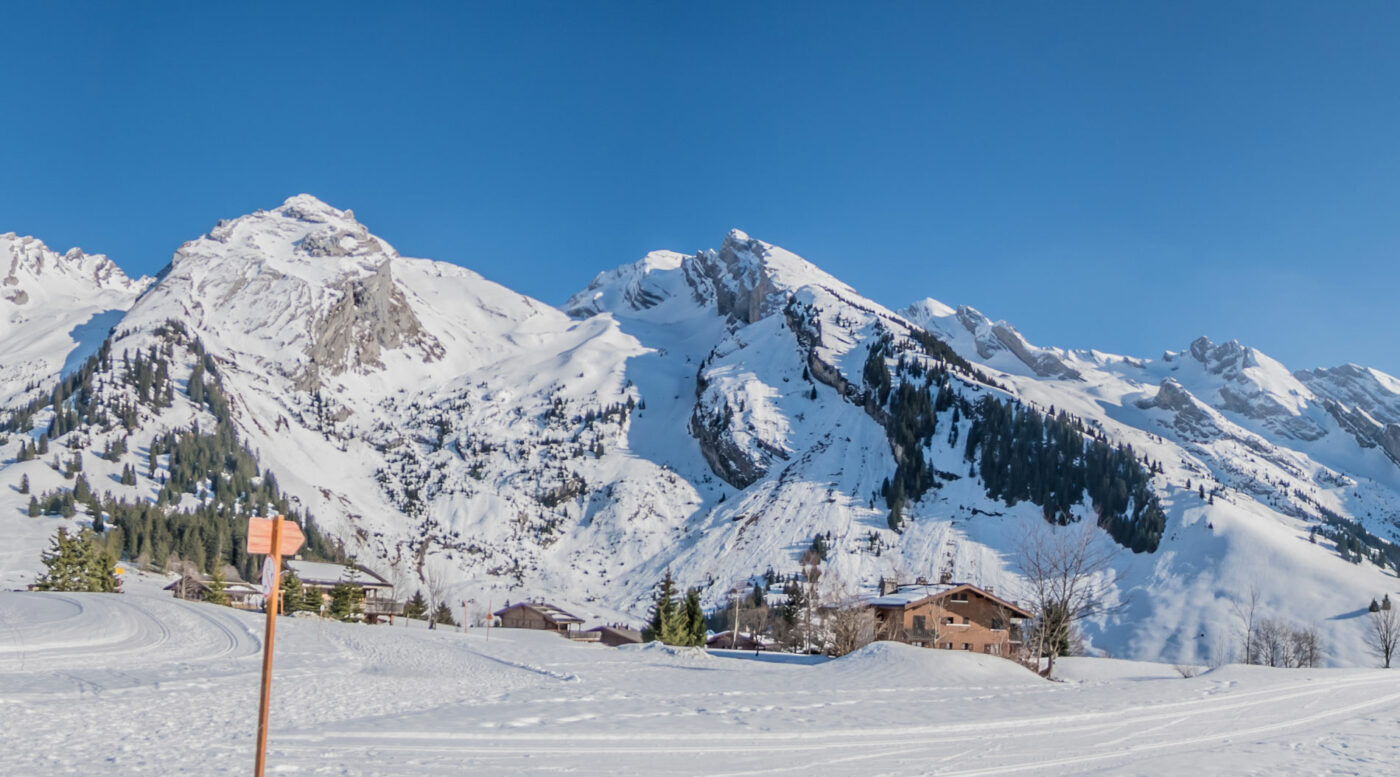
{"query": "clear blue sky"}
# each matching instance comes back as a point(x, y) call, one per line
point(1122, 175)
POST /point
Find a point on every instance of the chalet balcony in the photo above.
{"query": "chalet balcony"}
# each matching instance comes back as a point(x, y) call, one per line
point(382, 607)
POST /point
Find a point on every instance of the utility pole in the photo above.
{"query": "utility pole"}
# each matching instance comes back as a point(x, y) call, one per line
point(734, 632)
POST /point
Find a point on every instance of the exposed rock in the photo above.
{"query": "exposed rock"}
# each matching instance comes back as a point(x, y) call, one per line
point(371, 316)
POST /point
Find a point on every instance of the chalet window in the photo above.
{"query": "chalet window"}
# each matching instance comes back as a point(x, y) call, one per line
point(920, 624)
point(947, 646)
point(966, 620)
point(998, 624)
point(948, 621)
point(959, 597)
point(967, 646)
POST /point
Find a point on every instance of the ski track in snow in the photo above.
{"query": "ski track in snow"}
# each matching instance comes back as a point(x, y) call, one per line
point(143, 684)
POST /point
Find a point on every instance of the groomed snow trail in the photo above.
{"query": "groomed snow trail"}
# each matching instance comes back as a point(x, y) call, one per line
point(143, 684)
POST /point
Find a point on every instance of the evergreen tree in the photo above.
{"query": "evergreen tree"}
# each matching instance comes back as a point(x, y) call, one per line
point(24, 483)
point(694, 617)
point(217, 587)
point(74, 562)
point(416, 607)
point(443, 615)
point(346, 601)
point(663, 611)
point(33, 507)
point(293, 598)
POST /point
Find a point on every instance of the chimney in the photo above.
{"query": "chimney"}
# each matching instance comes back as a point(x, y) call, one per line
point(922, 580)
point(945, 577)
point(888, 585)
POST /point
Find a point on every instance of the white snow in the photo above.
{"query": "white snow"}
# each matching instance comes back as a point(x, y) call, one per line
point(140, 683)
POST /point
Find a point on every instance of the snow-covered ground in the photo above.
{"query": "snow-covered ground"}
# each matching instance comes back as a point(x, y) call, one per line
point(140, 683)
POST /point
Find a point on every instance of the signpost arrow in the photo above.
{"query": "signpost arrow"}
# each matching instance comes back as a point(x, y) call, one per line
point(275, 537)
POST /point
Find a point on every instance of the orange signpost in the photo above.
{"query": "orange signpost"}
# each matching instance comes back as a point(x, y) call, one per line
point(275, 537)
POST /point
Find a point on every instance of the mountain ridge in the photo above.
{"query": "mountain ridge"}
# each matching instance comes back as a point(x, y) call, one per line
point(716, 413)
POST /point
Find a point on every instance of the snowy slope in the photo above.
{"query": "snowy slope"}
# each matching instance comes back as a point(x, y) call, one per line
point(712, 414)
point(161, 686)
point(55, 309)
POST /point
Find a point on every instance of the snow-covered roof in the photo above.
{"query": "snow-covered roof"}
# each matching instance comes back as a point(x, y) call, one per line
point(321, 572)
point(908, 595)
point(549, 611)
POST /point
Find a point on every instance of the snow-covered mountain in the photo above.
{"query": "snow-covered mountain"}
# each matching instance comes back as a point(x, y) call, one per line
point(55, 309)
point(715, 414)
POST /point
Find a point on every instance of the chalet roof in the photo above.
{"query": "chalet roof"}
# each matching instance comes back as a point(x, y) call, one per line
point(911, 595)
point(233, 585)
point(621, 631)
point(550, 612)
point(329, 574)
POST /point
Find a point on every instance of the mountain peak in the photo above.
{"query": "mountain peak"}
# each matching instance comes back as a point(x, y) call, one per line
point(29, 259)
point(307, 207)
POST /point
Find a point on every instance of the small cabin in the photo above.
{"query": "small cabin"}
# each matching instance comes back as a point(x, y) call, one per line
point(950, 616)
point(540, 616)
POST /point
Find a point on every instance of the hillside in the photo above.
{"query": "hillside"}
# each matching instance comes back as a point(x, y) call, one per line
point(712, 414)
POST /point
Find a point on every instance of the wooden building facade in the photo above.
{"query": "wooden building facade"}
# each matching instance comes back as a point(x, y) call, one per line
point(544, 617)
point(951, 616)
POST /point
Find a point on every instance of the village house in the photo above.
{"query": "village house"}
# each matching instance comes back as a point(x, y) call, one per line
point(545, 617)
point(614, 636)
point(197, 587)
point(378, 593)
point(951, 616)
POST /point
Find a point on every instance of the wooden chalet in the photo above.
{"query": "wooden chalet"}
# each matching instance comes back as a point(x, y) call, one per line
point(241, 594)
point(544, 617)
point(951, 616)
point(613, 636)
point(324, 577)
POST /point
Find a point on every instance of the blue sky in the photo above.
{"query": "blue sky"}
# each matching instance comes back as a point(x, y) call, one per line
point(1124, 176)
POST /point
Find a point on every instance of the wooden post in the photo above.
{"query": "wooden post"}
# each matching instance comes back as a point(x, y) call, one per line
point(275, 559)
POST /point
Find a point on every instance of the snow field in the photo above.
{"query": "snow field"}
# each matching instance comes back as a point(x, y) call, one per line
point(140, 683)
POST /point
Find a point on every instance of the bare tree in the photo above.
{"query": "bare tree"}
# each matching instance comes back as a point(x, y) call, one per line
point(1307, 647)
point(850, 621)
point(1245, 609)
point(435, 582)
point(1069, 578)
point(1384, 634)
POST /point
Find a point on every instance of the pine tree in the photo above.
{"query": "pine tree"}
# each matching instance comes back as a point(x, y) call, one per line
point(346, 600)
point(74, 562)
point(293, 598)
point(663, 612)
point(416, 607)
point(694, 616)
point(443, 615)
point(33, 507)
point(217, 587)
point(24, 484)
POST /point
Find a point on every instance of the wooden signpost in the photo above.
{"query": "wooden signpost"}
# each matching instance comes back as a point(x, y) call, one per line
point(275, 537)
